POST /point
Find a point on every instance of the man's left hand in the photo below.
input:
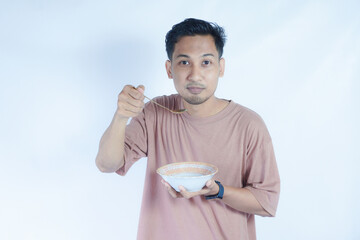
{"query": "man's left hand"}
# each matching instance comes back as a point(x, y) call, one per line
point(210, 188)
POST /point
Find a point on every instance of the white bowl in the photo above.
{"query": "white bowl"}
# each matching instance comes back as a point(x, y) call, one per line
point(191, 175)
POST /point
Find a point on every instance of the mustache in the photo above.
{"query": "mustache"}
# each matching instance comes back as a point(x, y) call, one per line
point(196, 85)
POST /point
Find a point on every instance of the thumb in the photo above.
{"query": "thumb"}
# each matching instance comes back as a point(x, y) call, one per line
point(210, 183)
point(141, 88)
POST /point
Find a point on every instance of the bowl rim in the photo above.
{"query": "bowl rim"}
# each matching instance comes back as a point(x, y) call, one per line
point(180, 163)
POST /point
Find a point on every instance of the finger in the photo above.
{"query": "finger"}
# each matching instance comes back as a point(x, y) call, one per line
point(141, 89)
point(212, 187)
point(124, 97)
point(128, 101)
point(171, 190)
point(136, 93)
point(210, 183)
point(131, 92)
point(204, 191)
point(187, 194)
point(183, 192)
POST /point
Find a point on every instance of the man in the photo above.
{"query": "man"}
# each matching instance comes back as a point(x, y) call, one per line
point(213, 130)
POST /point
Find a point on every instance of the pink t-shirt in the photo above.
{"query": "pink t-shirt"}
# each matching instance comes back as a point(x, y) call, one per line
point(235, 140)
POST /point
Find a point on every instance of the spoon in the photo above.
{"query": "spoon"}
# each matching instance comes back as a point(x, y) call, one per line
point(173, 111)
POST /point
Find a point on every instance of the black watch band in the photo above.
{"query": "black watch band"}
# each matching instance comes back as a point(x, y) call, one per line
point(220, 193)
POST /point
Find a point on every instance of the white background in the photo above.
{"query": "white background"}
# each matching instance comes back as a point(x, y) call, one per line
point(62, 64)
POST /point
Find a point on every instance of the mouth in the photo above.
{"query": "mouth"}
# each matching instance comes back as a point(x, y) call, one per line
point(195, 89)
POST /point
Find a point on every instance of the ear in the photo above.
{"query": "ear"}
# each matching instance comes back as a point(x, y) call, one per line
point(222, 67)
point(168, 68)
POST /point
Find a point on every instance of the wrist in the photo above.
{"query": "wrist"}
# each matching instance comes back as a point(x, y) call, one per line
point(120, 118)
point(219, 194)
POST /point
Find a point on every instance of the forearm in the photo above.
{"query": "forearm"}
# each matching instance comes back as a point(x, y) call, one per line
point(110, 156)
point(243, 200)
point(240, 199)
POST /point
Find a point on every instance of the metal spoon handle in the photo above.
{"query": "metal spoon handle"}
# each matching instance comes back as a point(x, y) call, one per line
point(173, 111)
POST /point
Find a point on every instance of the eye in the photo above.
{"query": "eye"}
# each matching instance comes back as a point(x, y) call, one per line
point(206, 62)
point(184, 62)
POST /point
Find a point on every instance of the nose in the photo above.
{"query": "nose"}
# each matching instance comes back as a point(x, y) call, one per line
point(195, 73)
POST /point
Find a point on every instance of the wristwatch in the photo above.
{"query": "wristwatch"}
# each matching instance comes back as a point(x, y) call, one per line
point(220, 193)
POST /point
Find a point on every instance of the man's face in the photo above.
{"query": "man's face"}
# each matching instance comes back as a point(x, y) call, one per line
point(195, 68)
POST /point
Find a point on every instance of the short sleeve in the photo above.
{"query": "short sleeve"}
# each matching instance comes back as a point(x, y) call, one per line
point(262, 176)
point(135, 142)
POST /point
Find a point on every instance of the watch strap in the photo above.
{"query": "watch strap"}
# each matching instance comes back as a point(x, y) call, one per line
point(220, 193)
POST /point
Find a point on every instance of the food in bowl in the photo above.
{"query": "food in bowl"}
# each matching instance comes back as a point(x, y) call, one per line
point(191, 175)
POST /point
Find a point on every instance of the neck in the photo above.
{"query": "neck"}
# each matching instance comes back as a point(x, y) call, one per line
point(208, 108)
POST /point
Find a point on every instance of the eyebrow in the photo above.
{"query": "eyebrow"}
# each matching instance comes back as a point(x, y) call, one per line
point(182, 55)
point(204, 55)
point(208, 55)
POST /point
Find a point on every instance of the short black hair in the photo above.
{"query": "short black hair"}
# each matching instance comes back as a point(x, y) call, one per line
point(192, 27)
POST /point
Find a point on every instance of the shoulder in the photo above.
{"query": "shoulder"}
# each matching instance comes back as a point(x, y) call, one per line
point(246, 114)
point(250, 119)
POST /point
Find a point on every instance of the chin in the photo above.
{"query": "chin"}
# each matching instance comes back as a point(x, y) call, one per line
point(195, 100)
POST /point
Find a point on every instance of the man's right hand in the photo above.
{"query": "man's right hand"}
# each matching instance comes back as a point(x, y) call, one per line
point(111, 150)
point(130, 101)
